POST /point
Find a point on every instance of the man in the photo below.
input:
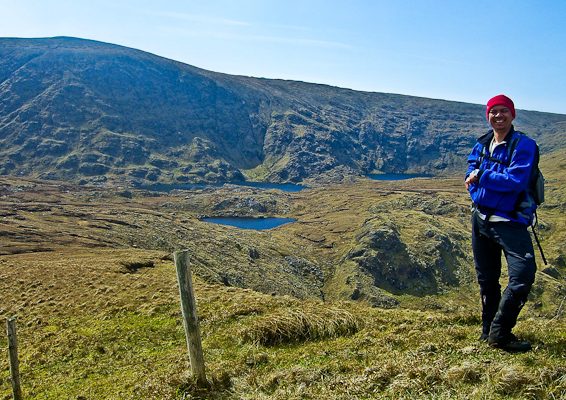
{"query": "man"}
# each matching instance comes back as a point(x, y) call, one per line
point(497, 182)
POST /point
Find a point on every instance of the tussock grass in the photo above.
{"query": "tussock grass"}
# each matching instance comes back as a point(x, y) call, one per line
point(307, 324)
point(512, 379)
point(467, 372)
point(133, 266)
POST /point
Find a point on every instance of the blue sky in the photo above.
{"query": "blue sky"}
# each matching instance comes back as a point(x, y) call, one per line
point(462, 50)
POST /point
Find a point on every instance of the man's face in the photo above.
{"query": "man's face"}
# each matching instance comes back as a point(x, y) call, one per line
point(500, 118)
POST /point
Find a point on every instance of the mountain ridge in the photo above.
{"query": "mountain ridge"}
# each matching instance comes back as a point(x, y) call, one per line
point(91, 112)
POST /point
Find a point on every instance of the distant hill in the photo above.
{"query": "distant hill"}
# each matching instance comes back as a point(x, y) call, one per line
point(91, 112)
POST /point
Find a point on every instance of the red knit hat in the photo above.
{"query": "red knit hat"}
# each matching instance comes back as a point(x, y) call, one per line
point(501, 100)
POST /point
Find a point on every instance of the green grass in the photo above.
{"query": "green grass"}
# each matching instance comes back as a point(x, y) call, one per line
point(337, 351)
point(256, 174)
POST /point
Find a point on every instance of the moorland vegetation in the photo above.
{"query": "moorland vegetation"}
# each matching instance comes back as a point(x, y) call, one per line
point(292, 312)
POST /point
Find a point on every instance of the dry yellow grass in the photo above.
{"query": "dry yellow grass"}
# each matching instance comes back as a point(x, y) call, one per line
point(311, 322)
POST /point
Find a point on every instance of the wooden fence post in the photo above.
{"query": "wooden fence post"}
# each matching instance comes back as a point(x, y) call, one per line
point(14, 361)
point(190, 319)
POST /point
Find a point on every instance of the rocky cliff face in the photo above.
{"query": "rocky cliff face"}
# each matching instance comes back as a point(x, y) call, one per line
point(90, 112)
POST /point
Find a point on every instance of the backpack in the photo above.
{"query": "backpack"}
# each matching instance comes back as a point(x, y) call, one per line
point(535, 187)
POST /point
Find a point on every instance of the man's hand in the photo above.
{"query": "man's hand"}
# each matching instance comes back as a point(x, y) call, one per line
point(470, 180)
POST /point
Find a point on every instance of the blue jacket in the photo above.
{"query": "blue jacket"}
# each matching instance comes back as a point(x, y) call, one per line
point(501, 187)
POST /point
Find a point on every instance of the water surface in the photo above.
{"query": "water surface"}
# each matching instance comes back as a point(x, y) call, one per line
point(286, 187)
point(249, 222)
point(395, 177)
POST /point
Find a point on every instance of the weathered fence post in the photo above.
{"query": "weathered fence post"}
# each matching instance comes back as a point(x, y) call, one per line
point(14, 361)
point(190, 319)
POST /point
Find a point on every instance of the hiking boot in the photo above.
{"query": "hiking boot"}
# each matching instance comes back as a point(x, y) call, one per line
point(517, 346)
point(511, 343)
point(484, 337)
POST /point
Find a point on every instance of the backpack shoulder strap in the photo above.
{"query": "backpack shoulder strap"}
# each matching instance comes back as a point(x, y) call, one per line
point(513, 145)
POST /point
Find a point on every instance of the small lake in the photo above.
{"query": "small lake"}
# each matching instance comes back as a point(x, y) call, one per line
point(395, 177)
point(286, 187)
point(257, 224)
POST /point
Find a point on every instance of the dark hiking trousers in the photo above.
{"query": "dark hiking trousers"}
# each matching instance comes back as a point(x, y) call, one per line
point(500, 312)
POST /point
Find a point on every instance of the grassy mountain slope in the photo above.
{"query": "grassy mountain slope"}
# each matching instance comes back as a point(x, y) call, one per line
point(91, 327)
